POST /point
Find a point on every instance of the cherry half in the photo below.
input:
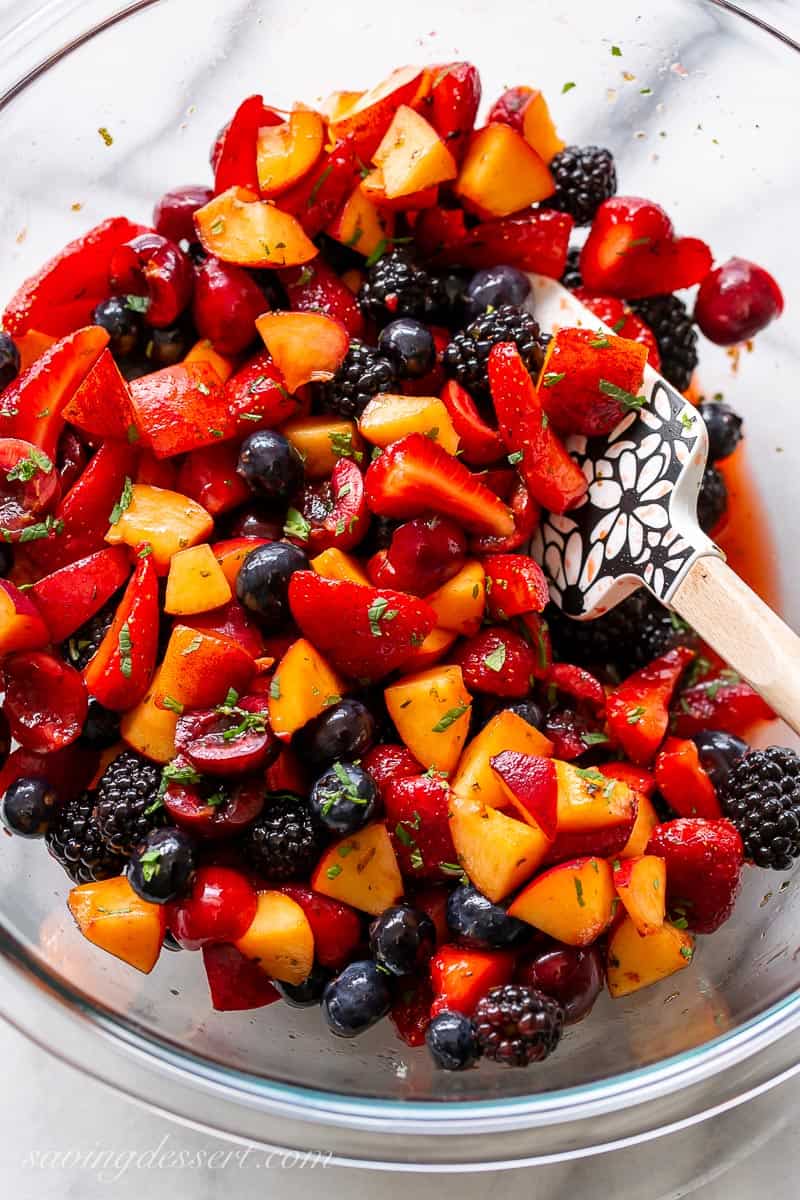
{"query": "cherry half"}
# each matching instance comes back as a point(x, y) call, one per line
point(422, 555)
point(219, 908)
point(29, 487)
point(736, 301)
point(571, 975)
point(228, 740)
point(210, 809)
point(173, 215)
point(150, 265)
point(46, 701)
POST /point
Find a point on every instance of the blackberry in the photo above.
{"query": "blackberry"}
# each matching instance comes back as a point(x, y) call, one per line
point(761, 796)
point(361, 376)
point(397, 287)
point(126, 796)
point(517, 1025)
point(712, 503)
point(284, 842)
point(628, 637)
point(572, 277)
point(85, 641)
point(75, 841)
point(466, 357)
point(585, 176)
point(672, 325)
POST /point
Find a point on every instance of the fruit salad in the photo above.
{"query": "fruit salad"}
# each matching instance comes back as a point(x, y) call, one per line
point(282, 681)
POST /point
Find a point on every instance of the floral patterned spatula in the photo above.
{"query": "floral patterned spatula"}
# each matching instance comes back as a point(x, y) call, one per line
point(638, 526)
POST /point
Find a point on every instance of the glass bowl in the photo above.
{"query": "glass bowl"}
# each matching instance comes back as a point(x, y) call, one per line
point(696, 109)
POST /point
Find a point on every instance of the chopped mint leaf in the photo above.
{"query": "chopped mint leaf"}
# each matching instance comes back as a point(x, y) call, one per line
point(123, 503)
point(449, 718)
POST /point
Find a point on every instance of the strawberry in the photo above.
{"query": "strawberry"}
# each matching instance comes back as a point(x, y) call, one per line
point(411, 1011)
point(480, 444)
point(590, 380)
point(509, 108)
point(389, 762)
point(524, 509)
point(336, 927)
point(317, 288)
point(498, 661)
point(638, 709)
point(704, 862)
point(515, 584)
point(236, 983)
point(317, 198)
point(682, 781)
point(536, 241)
point(364, 632)
point(577, 682)
point(632, 251)
point(636, 778)
point(452, 103)
point(553, 478)
point(623, 320)
point(461, 977)
point(418, 823)
point(415, 475)
point(721, 701)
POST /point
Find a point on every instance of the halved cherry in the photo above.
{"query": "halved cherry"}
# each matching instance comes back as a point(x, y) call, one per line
point(334, 513)
point(29, 487)
point(151, 265)
point(209, 809)
point(229, 740)
point(423, 554)
point(526, 513)
point(46, 701)
point(173, 215)
point(219, 908)
point(71, 458)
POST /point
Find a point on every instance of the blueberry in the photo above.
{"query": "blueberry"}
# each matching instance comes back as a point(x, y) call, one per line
point(444, 305)
point(163, 866)
point(477, 922)
point(101, 727)
point(9, 360)
point(451, 1040)
point(719, 751)
point(121, 323)
point(344, 798)
point(402, 939)
point(166, 347)
point(309, 992)
point(344, 731)
point(495, 286)
point(409, 345)
point(270, 465)
point(26, 807)
point(263, 581)
point(530, 711)
point(724, 429)
point(356, 999)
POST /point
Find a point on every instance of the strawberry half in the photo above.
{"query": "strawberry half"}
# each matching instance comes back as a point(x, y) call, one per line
point(388, 762)
point(364, 632)
point(623, 320)
point(417, 817)
point(632, 251)
point(515, 584)
point(416, 476)
point(480, 444)
point(498, 661)
point(704, 863)
point(590, 380)
point(461, 977)
point(683, 782)
point(721, 701)
point(638, 710)
point(552, 477)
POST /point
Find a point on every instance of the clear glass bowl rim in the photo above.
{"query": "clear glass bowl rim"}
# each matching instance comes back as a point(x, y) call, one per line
point(617, 1092)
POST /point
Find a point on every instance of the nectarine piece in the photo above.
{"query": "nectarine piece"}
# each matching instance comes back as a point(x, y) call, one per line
point(643, 826)
point(475, 776)
point(572, 902)
point(287, 152)
point(322, 441)
point(110, 915)
point(361, 225)
point(431, 711)
point(635, 962)
point(335, 564)
point(641, 884)
point(412, 156)
point(501, 174)
point(196, 582)
point(303, 686)
point(497, 852)
point(366, 120)
point(279, 938)
point(432, 650)
point(306, 347)
point(530, 784)
point(361, 870)
point(459, 604)
point(539, 130)
point(22, 626)
point(166, 521)
point(388, 417)
point(239, 228)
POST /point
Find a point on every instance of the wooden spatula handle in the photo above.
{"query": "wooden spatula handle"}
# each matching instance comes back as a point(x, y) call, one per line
point(745, 632)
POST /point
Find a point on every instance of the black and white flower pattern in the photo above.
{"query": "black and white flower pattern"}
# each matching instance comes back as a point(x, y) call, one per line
point(626, 531)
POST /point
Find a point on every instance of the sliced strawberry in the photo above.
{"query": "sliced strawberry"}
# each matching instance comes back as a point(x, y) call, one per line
point(317, 198)
point(452, 103)
point(515, 584)
point(72, 595)
point(235, 152)
point(411, 1010)
point(636, 777)
point(389, 762)
point(480, 445)
point(415, 475)
point(209, 476)
point(623, 320)
point(61, 296)
point(236, 983)
point(364, 632)
point(337, 928)
point(526, 513)
point(498, 661)
point(257, 391)
point(333, 514)
point(721, 701)
point(704, 863)
point(119, 674)
point(461, 977)
point(537, 241)
point(638, 709)
point(682, 781)
point(590, 380)
point(317, 288)
point(552, 477)
point(632, 251)
point(577, 682)
point(419, 825)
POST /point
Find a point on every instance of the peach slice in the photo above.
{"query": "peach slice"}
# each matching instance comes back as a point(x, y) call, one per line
point(434, 648)
point(110, 915)
point(196, 582)
point(335, 564)
point(239, 228)
point(305, 346)
point(572, 902)
point(538, 128)
point(431, 711)
point(361, 870)
point(641, 884)
point(595, 814)
point(530, 783)
point(361, 225)
point(22, 626)
point(497, 852)
point(335, 106)
point(374, 186)
point(279, 938)
point(287, 152)
point(322, 441)
point(165, 521)
point(643, 826)
point(475, 777)
point(635, 962)
point(366, 121)
point(459, 604)
point(412, 156)
point(388, 417)
point(501, 174)
point(303, 686)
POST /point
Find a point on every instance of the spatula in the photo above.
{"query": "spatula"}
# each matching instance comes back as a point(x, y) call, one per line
point(638, 526)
